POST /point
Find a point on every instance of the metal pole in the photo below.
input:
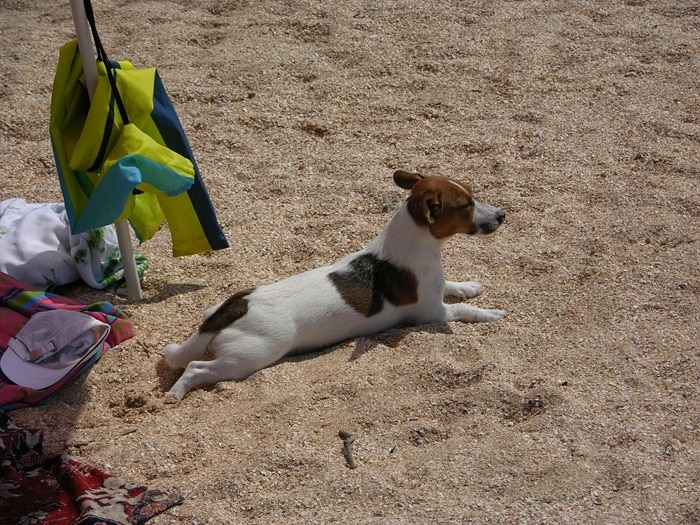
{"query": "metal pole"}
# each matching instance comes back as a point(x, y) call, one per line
point(82, 29)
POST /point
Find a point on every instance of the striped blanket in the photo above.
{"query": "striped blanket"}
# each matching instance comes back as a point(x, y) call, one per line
point(18, 302)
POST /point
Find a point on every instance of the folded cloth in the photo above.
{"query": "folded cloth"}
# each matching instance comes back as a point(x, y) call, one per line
point(37, 247)
point(61, 489)
point(18, 303)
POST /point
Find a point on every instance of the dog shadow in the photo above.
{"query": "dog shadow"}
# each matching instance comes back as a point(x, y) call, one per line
point(363, 345)
point(392, 338)
point(167, 376)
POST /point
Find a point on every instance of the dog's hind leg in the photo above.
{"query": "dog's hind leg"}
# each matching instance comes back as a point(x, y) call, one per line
point(179, 356)
point(196, 374)
point(236, 355)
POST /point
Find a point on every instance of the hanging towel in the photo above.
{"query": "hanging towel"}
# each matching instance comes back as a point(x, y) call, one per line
point(142, 169)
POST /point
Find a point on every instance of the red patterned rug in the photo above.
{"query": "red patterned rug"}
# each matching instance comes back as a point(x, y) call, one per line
point(63, 491)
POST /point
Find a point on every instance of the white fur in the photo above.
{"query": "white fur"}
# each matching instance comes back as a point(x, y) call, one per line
point(306, 311)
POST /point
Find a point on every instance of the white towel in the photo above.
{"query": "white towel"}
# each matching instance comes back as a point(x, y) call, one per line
point(36, 247)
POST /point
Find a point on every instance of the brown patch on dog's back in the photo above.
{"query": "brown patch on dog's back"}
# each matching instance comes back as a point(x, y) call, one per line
point(370, 280)
point(232, 309)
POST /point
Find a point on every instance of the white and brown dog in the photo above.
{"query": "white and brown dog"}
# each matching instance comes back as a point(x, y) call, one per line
point(397, 278)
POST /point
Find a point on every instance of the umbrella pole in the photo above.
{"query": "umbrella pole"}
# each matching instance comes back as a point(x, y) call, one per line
point(133, 285)
point(82, 29)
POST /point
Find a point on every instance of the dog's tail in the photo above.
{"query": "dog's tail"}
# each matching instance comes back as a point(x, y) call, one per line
point(179, 356)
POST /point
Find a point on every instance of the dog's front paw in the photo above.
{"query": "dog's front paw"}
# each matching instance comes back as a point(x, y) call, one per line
point(462, 291)
point(471, 314)
point(493, 315)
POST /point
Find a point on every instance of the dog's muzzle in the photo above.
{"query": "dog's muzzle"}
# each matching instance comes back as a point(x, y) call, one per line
point(487, 219)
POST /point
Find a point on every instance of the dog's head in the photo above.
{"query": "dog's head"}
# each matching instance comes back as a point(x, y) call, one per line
point(447, 207)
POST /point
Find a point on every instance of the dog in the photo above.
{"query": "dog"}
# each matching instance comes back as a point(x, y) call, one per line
point(397, 278)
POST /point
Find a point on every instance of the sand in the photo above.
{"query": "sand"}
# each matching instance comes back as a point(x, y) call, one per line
point(579, 119)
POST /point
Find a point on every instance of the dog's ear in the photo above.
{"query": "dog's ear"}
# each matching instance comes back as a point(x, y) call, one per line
point(405, 179)
point(432, 206)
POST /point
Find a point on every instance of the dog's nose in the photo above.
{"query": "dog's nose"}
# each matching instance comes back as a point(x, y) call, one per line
point(500, 217)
